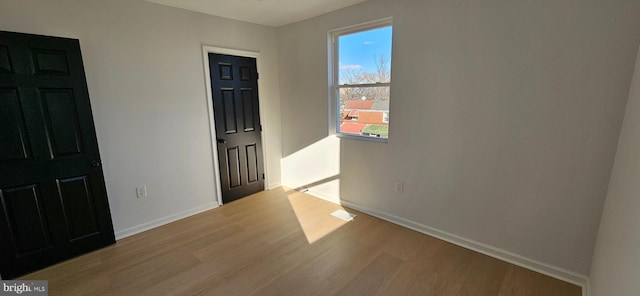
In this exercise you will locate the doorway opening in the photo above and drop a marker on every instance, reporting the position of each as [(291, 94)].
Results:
[(237, 136)]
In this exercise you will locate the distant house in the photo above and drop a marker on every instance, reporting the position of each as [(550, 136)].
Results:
[(366, 111), (372, 117), (352, 115), (352, 128), (365, 117), (380, 105), (359, 104)]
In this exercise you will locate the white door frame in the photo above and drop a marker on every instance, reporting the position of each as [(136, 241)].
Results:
[(206, 50)]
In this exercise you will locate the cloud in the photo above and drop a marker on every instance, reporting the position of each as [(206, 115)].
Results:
[(368, 42), (350, 67)]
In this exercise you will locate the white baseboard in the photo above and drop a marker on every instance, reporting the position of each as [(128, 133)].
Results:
[(522, 261), (273, 185), (322, 195), (162, 221), (586, 289), (528, 263), (319, 194)]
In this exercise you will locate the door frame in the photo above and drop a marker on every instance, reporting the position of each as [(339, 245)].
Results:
[(206, 50)]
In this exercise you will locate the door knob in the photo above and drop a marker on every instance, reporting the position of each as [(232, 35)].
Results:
[(96, 163), (221, 141)]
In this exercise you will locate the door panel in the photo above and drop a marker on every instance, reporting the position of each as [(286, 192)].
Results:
[(245, 72), (13, 139), (229, 111), (62, 121), (77, 202), (233, 166), (26, 218), (234, 83), (5, 64), (52, 191), (225, 70), (247, 105), (50, 62), (252, 163)]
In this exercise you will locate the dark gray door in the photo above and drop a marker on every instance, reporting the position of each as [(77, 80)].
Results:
[(52, 193), (234, 86)]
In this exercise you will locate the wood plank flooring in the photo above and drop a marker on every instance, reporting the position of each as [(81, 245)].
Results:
[(283, 242)]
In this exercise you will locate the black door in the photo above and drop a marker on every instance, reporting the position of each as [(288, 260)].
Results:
[(234, 86), (53, 199)]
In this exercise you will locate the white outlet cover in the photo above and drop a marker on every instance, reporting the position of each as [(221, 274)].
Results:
[(141, 191), (344, 215)]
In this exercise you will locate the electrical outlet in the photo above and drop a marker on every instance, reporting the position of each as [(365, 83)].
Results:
[(400, 187), (141, 191)]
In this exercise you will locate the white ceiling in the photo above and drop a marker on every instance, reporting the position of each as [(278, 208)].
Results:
[(273, 13)]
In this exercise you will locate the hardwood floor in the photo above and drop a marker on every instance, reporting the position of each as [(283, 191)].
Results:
[(281, 242)]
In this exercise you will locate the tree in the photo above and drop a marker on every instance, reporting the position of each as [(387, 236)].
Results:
[(358, 76)]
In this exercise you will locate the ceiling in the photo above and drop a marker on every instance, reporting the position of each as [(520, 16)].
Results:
[(272, 13)]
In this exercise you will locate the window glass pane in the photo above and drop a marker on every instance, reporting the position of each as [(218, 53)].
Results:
[(376, 94), (365, 57), (362, 79), (364, 111)]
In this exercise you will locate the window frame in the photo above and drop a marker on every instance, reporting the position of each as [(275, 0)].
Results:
[(334, 76)]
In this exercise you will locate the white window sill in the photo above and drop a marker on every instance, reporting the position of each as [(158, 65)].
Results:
[(362, 138)]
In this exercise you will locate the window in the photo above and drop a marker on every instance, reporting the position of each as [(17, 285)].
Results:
[(360, 71)]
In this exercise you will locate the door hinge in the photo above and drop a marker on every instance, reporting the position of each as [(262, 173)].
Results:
[(257, 75), (262, 176)]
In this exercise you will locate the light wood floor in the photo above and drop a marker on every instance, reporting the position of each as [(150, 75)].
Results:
[(281, 242)]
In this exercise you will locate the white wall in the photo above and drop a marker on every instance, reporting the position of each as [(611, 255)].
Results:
[(145, 74), (504, 118), (616, 259)]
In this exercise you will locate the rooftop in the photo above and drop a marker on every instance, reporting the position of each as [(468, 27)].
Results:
[(352, 128), (359, 104)]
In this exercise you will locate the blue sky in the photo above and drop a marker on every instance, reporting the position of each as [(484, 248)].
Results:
[(359, 50)]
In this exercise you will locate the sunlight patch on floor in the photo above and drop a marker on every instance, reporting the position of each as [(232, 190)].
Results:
[(314, 215)]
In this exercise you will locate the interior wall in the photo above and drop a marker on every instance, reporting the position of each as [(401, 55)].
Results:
[(504, 118), (616, 260), (145, 73)]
